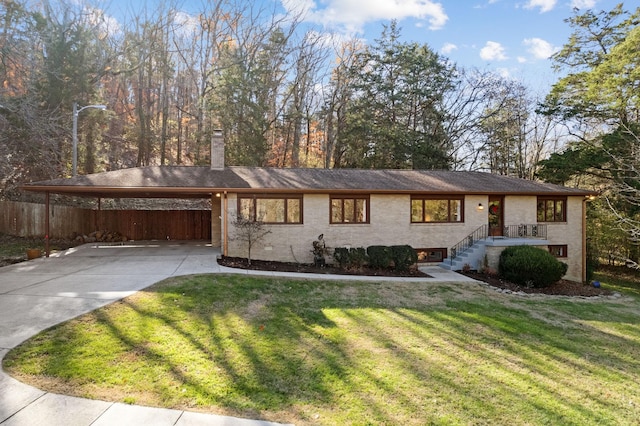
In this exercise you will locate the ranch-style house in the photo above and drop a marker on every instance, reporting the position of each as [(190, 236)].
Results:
[(453, 218)]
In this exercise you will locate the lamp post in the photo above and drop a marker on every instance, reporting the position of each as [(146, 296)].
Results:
[(76, 112)]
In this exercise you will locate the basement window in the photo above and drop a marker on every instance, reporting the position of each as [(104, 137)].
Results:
[(431, 255), (558, 250)]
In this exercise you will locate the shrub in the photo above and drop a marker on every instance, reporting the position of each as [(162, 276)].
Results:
[(346, 258), (341, 256), (357, 257), (531, 266), (379, 256), (403, 257)]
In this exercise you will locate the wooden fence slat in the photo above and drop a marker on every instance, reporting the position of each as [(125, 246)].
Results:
[(27, 220)]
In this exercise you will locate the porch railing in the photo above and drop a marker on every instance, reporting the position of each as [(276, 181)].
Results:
[(509, 231), (538, 230), (477, 235)]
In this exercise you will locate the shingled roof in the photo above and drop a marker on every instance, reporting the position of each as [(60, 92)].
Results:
[(191, 181)]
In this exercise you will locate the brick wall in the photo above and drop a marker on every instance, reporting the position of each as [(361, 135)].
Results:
[(390, 224)]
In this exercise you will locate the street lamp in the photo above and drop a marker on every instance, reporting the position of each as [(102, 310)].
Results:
[(77, 111)]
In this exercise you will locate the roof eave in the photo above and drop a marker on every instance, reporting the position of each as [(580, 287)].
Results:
[(204, 192)]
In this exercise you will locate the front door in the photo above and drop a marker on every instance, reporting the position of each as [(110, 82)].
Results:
[(496, 217)]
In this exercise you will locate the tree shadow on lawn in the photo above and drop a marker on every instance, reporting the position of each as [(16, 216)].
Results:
[(316, 352)]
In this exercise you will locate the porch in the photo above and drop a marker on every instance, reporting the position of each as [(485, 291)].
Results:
[(481, 249)]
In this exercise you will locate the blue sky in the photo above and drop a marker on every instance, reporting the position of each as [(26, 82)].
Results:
[(512, 37)]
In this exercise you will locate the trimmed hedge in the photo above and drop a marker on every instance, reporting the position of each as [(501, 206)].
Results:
[(346, 258), (530, 266), (341, 256), (357, 257), (379, 256), (400, 257), (403, 257)]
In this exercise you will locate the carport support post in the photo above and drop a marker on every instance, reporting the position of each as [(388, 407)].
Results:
[(225, 244), (46, 224), (98, 216)]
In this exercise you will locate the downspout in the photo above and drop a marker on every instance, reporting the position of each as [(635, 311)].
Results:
[(213, 219), (46, 224), (225, 214)]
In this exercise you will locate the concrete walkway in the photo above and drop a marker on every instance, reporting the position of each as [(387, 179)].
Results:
[(40, 293)]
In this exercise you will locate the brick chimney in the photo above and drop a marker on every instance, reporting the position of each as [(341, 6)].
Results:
[(217, 150)]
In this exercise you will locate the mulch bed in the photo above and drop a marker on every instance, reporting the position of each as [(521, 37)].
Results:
[(262, 265), (561, 288)]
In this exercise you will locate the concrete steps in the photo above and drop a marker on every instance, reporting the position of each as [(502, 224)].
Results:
[(473, 257)]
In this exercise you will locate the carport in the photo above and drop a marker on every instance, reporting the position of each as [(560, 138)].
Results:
[(170, 182)]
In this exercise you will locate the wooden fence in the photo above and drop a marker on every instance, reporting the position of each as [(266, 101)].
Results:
[(157, 224), (28, 220)]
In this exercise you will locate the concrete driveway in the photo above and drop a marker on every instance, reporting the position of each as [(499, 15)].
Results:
[(37, 294)]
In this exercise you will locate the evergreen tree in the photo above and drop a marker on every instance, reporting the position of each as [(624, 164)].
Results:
[(600, 93), (395, 118)]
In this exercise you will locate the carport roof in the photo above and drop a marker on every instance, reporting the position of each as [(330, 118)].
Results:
[(201, 182)]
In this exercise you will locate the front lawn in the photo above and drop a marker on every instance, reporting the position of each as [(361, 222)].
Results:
[(324, 352)]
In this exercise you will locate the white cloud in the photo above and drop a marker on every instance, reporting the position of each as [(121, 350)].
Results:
[(493, 51), (521, 59), (105, 23), (298, 6), (448, 48), (187, 24), (352, 15), (539, 48), (485, 5), (503, 72), (544, 5), (583, 4)]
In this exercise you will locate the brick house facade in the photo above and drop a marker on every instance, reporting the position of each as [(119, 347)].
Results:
[(430, 210)]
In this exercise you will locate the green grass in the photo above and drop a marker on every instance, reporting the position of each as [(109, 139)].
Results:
[(12, 247), (318, 352), (620, 279), (17, 247)]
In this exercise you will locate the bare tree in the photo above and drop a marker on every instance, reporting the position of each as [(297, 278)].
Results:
[(493, 126), (467, 107), (337, 96), (199, 42), (249, 232), (309, 59)]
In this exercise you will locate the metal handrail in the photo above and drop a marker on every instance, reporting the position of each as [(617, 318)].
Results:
[(524, 230), (479, 234)]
